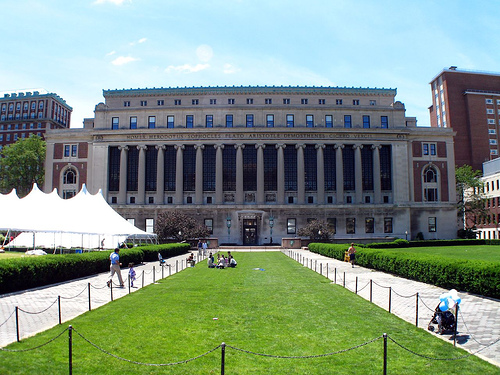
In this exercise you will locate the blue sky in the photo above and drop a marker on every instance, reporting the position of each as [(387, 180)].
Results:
[(78, 48)]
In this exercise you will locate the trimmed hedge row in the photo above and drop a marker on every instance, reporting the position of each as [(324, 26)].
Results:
[(30, 272), (478, 277)]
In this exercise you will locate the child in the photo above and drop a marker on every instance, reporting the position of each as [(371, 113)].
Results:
[(131, 274)]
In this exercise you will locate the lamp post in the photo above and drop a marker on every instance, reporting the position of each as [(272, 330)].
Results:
[(180, 236), (319, 234), (271, 225), (228, 223), (406, 235)]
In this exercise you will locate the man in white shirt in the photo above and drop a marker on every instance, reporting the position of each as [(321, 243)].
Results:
[(115, 267)]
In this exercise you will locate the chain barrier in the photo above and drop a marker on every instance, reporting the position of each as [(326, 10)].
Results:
[(98, 287), (472, 336), (39, 312), (304, 356), (34, 348), (400, 295), (368, 283), (84, 290), (421, 300), (144, 363), (382, 286), (10, 316)]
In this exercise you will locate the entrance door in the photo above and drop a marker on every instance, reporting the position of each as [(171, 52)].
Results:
[(249, 232)]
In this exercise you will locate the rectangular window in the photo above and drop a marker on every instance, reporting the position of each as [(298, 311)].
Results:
[(338, 101), (286, 101), (268, 101), (189, 121), (431, 194), (209, 121), (366, 121), (304, 101), (432, 224), (151, 122), (195, 101), (213, 101), (249, 121), (144, 103), (229, 121), (332, 224), (328, 121), (369, 225), (270, 121), (160, 102), (321, 101), (310, 121), (150, 225), (209, 223), (350, 225), (489, 101), (289, 121), (177, 102), (347, 121), (384, 122), (133, 122), (249, 101), (373, 102), (387, 224), (170, 122), (115, 123), (74, 150), (425, 149), (230, 101), (491, 121), (126, 103), (291, 226), (489, 111), (355, 102), (493, 141), (66, 150)]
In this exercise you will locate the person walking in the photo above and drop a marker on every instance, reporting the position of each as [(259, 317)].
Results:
[(115, 267), (204, 245), (352, 254)]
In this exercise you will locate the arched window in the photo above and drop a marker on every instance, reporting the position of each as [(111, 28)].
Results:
[(69, 176), (430, 184), (430, 174)]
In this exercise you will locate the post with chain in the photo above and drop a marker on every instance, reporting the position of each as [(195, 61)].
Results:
[(371, 290), (343, 281), (111, 289), (390, 298), (321, 269), (416, 310), (176, 266), (327, 271), (70, 349), (154, 274), (456, 324), (335, 275), (223, 358), (143, 278), (129, 282), (162, 272), (90, 306), (17, 323), (59, 307), (385, 353), (356, 289)]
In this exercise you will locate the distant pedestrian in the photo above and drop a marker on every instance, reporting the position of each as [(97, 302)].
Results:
[(352, 254), (204, 245), (131, 274), (115, 267), (200, 248)]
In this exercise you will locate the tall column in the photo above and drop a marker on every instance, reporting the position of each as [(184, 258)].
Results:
[(280, 199), (198, 195), (160, 174), (377, 196), (339, 173), (320, 171), (358, 174), (239, 173), (179, 175), (301, 174), (122, 194), (219, 193), (141, 175), (260, 174)]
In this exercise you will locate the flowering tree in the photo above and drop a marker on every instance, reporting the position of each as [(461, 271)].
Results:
[(316, 230), (175, 225)]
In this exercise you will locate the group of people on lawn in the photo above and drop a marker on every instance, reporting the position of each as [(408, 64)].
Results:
[(222, 261)]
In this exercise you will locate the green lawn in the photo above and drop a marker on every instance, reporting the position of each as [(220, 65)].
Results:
[(476, 252), (11, 254), (286, 310)]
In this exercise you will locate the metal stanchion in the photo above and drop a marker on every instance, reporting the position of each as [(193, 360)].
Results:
[(17, 323), (70, 349), (390, 298), (344, 280), (416, 311), (223, 358), (371, 290), (356, 290), (90, 307), (385, 354), (59, 307), (154, 274)]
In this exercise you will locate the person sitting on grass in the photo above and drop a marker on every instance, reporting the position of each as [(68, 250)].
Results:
[(190, 260), (232, 263), (211, 261), (221, 264)]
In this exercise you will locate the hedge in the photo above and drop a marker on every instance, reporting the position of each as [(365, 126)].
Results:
[(30, 272), (478, 277)]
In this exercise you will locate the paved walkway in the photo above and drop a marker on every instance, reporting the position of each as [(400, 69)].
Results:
[(478, 322)]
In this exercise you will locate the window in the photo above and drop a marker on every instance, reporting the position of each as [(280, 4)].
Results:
[(350, 225), (366, 121), (144, 103), (40, 105), (289, 121), (490, 111), (189, 121), (489, 101), (291, 226), (355, 102), (229, 121), (387, 224), (195, 101), (177, 102), (429, 148), (151, 122), (493, 152), (321, 101), (270, 121), (115, 122), (126, 103), (338, 101), (209, 223), (213, 101), (373, 102), (67, 194), (369, 225), (384, 122), (332, 224), (432, 224), (170, 121), (8, 137), (268, 101), (286, 101), (249, 121), (329, 121), (150, 225), (230, 101), (249, 101), (493, 142), (209, 121), (160, 102), (133, 122), (491, 121), (69, 177), (74, 150), (304, 101), (310, 121), (347, 121)]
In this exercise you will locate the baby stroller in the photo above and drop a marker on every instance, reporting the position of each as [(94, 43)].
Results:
[(445, 321)]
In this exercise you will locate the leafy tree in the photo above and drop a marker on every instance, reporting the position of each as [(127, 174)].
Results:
[(316, 230), (179, 227), (470, 194), (22, 165)]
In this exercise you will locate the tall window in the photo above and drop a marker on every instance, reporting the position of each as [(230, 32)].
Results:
[(170, 122), (150, 225), (328, 121), (189, 168), (332, 224), (209, 168), (330, 168), (170, 156), (229, 121), (367, 168), (347, 121), (310, 168), (432, 224), (114, 169), (350, 225), (151, 122), (310, 121), (384, 122), (387, 224), (289, 121), (270, 168), (133, 122), (151, 162), (249, 168), (348, 160), (366, 121), (290, 156), (115, 123), (270, 121), (249, 121), (229, 170), (69, 177), (385, 168), (189, 121), (209, 223), (209, 121), (369, 225), (291, 226), (132, 168), (430, 177)]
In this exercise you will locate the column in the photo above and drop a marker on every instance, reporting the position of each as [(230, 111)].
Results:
[(377, 193), (320, 171), (339, 173), (122, 194), (179, 175), (198, 195), (301, 186), (219, 193), (260, 174), (239, 173), (141, 175), (160, 174), (358, 174), (280, 199)]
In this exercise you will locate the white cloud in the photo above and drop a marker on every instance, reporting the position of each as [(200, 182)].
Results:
[(142, 40), (204, 52), (111, 53), (116, 2), (230, 69), (187, 68), (122, 60)]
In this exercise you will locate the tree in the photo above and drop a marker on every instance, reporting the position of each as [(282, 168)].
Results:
[(470, 194), (22, 165), (316, 230), (179, 227)]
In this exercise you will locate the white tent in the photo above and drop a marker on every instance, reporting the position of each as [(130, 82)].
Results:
[(46, 220)]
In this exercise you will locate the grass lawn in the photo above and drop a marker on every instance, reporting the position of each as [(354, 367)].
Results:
[(486, 253), (11, 254), (285, 310)]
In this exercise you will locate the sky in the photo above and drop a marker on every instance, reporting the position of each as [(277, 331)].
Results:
[(78, 48)]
